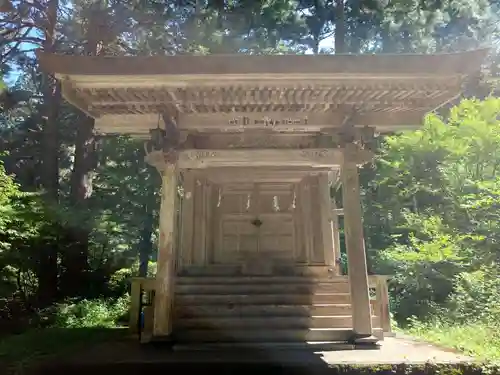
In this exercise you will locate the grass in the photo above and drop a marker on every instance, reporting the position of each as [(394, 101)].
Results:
[(478, 340), (20, 352)]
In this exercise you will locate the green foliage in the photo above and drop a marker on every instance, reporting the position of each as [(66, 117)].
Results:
[(3, 86), (476, 297), (437, 190), (103, 313), (479, 340), (119, 282), (22, 221)]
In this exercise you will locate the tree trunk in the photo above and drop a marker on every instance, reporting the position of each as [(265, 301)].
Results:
[(75, 261), (339, 27), (77, 281), (48, 270)]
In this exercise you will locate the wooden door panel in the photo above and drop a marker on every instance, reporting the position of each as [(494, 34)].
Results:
[(239, 206), (277, 245)]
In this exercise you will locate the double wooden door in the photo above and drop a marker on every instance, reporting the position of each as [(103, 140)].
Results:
[(254, 220)]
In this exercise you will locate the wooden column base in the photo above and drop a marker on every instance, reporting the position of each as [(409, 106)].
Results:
[(364, 340)]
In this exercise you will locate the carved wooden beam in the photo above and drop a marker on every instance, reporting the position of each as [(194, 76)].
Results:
[(171, 126), (69, 93), (267, 158)]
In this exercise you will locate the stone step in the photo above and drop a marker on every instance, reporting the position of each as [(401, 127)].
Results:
[(266, 280), (261, 299), (270, 322), (263, 335), (262, 288)]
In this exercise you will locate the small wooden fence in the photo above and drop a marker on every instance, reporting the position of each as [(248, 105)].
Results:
[(142, 304)]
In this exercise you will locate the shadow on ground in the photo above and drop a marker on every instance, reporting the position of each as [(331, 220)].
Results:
[(92, 351), (106, 351)]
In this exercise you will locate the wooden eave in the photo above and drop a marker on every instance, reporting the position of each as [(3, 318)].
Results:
[(390, 92), (379, 64)]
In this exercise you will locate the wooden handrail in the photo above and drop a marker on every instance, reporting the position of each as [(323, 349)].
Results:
[(382, 299), (138, 285)]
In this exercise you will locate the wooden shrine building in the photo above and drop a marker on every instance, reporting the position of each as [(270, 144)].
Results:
[(248, 148)]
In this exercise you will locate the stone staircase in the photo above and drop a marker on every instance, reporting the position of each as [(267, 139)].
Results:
[(253, 309)]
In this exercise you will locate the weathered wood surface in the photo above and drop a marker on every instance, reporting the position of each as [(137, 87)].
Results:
[(286, 65), (355, 244), (269, 158), (326, 220), (394, 91), (294, 302), (165, 273), (138, 285), (336, 236)]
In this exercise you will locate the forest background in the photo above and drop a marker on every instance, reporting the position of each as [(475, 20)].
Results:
[(79, 212)]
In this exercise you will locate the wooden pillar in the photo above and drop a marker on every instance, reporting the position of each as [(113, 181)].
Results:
[(326, 220), (300, 248), (315, 220), (355, 246), (383, 301), (187, 220), (135, 305), (308, 238), (165, 273), (200, 222), (336, 239)]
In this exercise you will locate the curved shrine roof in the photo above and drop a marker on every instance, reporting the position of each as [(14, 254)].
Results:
[(300, 93)]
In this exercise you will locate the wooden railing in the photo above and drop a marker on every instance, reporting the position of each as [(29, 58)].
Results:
[(141, 309), (378, 283), (142, 304)]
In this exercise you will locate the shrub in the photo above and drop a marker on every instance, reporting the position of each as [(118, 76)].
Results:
[(106, 313)]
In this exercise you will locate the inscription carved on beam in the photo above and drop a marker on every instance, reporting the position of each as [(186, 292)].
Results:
[(268, 158), (268, 122), (314, 154), (160, 159), (364, 138)]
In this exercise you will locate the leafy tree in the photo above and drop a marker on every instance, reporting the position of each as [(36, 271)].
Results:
[(436, 190)]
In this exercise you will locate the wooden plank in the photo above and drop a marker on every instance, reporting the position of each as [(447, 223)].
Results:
[(69, 92), (296, 121), (326, 220), (355, 244), (199, 222), (210, 202), (383, 297), (268, 158), (336, 238), (263, 299), (165, 277), (299, 253), (120, 119), (321, 65), (305, 198), (318, 251), (259, 140), (188, 219), (147, 332), (262, 120), (135, 306), (259, 175)]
